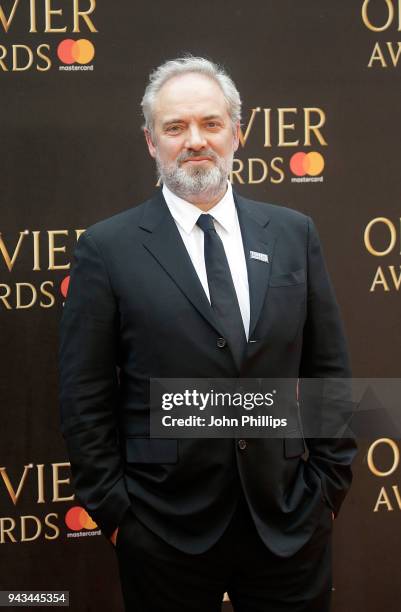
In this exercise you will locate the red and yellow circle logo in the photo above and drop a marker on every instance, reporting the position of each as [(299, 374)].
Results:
[(311, 163), (77, 518), (81, 51), (64, 286)]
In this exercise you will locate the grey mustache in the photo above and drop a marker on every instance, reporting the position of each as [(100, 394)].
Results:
[(184, 156)]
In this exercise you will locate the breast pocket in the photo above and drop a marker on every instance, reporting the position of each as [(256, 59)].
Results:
[(288, 279), (285, 305)]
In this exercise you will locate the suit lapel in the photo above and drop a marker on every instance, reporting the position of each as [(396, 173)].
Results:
[(163, 240), (257, 236)]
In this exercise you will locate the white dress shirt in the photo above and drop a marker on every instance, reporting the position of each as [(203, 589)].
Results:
[(227, 227)]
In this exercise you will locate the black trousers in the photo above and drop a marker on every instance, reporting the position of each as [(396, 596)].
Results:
[(155, 577)]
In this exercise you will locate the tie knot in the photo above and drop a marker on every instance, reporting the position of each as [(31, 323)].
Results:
[(205, 222)]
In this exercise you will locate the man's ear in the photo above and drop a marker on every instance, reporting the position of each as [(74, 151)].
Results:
[(236, 136), (150, 143)]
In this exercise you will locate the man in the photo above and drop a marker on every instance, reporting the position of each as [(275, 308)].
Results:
[(199, 282)]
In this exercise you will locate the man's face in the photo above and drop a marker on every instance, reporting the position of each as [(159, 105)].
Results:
[(193, 140)]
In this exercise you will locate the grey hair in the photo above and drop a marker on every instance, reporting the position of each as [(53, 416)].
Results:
[(184, 65)]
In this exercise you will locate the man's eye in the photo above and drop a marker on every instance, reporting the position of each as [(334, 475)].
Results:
[(172, 129), (212, 124)]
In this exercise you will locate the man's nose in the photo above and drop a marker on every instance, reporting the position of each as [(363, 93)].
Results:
[(195, 139)]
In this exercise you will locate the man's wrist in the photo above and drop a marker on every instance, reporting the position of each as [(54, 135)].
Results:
[(113, 537)]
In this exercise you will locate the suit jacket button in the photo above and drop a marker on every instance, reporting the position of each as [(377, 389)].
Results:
[(242, 444), (221, 342)]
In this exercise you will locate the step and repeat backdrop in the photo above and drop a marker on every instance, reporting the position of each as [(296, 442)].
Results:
[(321, 133)]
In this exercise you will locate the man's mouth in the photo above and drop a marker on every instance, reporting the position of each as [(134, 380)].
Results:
[(197, 160)]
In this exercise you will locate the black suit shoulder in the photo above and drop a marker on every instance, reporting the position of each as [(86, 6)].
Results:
[(125, 223), (277, 212), (283, 218), (118, 224)]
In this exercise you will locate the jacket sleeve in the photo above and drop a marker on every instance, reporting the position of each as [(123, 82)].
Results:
[(325, 356), (89, 388)]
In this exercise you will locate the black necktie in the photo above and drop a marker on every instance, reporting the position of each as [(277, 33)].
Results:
[(223, 297)]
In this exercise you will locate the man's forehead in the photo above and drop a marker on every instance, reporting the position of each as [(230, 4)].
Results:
[(186, 82), (190, 91)]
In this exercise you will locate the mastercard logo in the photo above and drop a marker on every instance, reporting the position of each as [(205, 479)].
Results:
[(311, 164), (77, 518), (64, 286), (81, 51)]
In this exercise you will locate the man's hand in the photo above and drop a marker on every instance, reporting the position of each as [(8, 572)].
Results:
[(113, 537)]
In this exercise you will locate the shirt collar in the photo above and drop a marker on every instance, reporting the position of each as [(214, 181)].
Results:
[(186, 214)]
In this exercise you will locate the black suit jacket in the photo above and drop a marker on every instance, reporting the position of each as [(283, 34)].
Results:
[(136, 310)]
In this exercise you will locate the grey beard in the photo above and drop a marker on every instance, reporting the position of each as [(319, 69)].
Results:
[(209, 182)]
